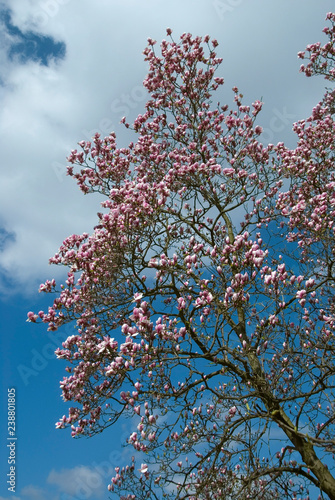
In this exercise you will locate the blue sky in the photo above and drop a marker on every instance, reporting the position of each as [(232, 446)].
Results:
[(67, 70)]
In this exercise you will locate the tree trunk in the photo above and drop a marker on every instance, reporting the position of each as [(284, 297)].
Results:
[(307, 452)]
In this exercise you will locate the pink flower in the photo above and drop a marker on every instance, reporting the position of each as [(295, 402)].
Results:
[(232, 411), (32, 317), (181, 303)]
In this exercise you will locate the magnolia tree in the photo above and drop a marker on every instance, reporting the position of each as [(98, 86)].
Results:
[(203, 302)]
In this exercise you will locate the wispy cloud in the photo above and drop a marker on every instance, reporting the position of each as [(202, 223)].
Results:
[(82, 481), (11, 498), (31, 492)]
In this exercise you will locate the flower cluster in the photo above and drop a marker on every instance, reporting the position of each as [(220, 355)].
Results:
[(321, 57)]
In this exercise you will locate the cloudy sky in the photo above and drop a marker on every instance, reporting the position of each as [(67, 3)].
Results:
[(69, 68)]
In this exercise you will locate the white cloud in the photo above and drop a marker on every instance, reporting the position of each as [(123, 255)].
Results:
[(82, 481), (45, 111), (31, 492)]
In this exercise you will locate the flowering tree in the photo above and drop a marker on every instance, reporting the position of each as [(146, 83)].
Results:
[(203, 301)]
